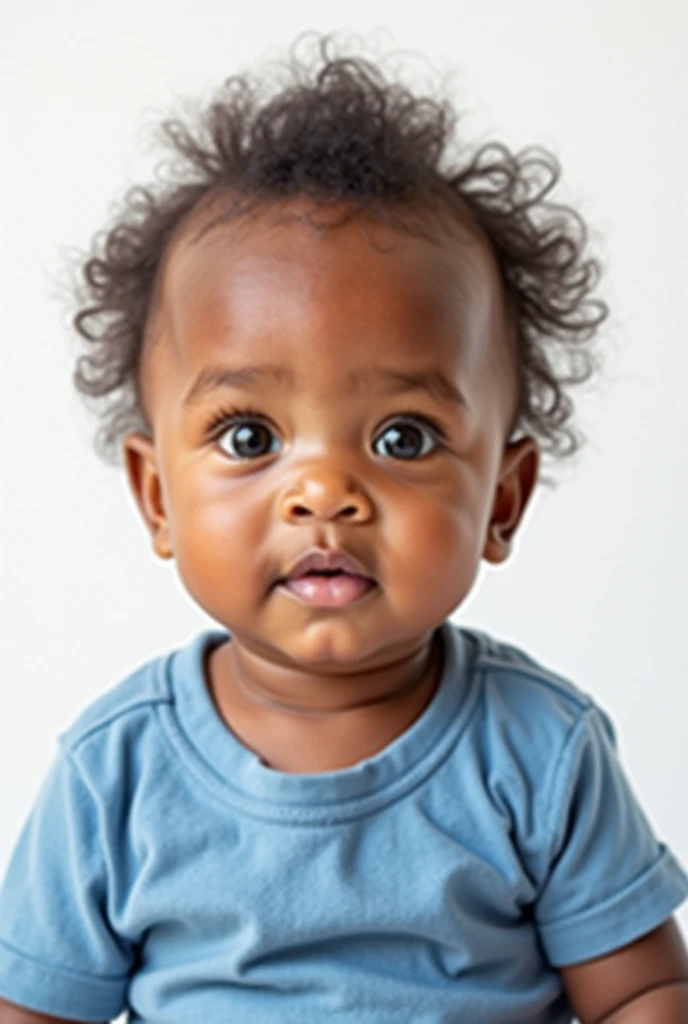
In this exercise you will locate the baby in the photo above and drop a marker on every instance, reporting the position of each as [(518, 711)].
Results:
[(332, 358)]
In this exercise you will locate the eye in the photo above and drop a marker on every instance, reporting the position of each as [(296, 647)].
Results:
[(242, 435), (408, 438), (248, 440)]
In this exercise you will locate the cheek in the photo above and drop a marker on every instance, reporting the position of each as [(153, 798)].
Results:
[(213, 529), (433, 547)]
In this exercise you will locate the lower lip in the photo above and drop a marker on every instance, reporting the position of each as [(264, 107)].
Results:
[(328, 591)]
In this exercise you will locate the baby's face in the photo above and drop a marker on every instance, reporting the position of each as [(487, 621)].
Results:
[(348, 389)]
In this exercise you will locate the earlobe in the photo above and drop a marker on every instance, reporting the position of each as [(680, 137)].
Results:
[(517, 479), (144, 480), (497, 547)]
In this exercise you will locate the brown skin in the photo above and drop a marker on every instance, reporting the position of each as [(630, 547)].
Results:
[(312, 689), (10, 1013), (645, 982)]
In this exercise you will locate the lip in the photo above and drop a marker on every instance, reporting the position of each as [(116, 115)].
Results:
[(321, 559), (338, 591)]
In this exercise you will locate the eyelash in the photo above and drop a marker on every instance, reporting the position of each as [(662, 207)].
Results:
[(227, 417)]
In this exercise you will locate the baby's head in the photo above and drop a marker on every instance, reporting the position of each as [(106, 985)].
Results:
[(325, 334)]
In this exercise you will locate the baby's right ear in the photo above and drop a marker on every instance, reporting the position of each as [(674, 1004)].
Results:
[(144, 479)]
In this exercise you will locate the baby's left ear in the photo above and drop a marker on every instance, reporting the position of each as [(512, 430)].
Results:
[(517, 478)]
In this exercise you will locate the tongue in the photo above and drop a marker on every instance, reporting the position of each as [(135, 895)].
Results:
[(338, 589)]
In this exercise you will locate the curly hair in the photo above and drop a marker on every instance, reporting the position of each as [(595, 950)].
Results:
[(339, 131)]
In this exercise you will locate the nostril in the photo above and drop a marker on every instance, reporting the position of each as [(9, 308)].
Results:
[(306, 511)]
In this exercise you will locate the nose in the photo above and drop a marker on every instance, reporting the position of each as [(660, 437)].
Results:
[(325, 494)]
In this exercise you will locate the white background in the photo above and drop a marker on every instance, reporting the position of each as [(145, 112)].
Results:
[(597, 588)]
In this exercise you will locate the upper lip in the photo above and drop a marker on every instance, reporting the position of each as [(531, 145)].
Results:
[(319, 559)]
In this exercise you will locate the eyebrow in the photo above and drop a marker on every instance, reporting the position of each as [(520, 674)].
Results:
[(431, 380)]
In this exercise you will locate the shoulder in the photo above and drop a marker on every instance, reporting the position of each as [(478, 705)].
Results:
[(135, 695), (522, 697), (128, 714), (530, 728), (121, 742)]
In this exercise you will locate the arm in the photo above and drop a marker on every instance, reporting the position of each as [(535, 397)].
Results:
[(10, 1013), (59, 954), (645, 982)]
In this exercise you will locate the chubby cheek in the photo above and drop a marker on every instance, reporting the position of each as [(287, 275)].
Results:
[(219, 542), (430, 556)]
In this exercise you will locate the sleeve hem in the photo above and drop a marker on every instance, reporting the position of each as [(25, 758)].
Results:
[(47, 989), (639, 908)]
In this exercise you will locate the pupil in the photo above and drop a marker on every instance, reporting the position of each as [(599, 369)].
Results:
[(248, 440), (400, 436)]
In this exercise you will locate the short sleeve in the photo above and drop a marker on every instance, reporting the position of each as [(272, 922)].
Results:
[(58, 954), (610, 881)]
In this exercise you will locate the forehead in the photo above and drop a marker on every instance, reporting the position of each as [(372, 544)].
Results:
[(316, 298)]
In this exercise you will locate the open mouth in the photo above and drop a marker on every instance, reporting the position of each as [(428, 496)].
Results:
[(326, 572)]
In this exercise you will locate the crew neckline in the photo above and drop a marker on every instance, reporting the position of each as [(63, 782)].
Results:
[(238, 776)]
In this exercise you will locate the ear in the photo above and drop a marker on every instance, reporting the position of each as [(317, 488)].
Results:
[(517, 479), (144, 479)]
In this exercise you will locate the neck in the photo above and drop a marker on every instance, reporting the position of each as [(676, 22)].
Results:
[(317, 695), (296, 721)]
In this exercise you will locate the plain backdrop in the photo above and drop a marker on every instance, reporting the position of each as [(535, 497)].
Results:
[(597, 585)]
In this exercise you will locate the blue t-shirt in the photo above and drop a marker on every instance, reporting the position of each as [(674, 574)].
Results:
[(167, 871)]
